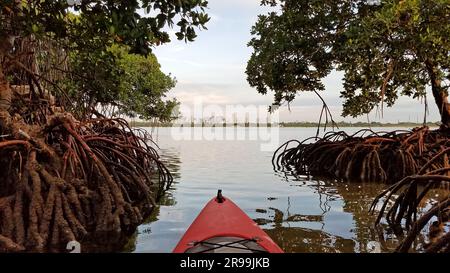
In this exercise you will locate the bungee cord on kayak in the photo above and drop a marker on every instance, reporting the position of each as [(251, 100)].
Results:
[(222, 225), (229, 246)]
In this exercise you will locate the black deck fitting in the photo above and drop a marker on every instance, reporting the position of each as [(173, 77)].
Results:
[(220, 198)]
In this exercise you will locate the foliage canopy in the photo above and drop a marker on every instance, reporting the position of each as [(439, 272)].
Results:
[(385, 48), (120, 83), (104, 41)]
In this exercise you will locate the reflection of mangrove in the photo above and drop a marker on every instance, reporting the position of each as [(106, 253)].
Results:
[(295, 239), (90, 181), (301, 240), (378, 157), (404, 198), (357, 198), (279, 219), (172, 161)]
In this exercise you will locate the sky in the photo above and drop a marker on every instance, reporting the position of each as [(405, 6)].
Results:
[(211, 70)]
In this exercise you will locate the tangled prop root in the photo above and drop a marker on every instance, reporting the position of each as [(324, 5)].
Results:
[(364, 156), (93, 182), (404, 198)]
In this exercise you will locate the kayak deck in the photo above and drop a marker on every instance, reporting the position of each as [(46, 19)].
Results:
[(222, 227), (226, 245)]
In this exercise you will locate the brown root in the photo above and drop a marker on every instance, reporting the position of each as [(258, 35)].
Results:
[(365, 156), (92, 181), (416, 162), (402, 201)]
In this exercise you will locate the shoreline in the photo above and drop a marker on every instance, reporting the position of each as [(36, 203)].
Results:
[(289, 125)]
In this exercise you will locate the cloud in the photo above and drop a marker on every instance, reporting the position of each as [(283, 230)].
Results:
[(178, 48), (215, 18), (242, 4), (191, 97), (306, 107), (181, 61), (213, 93)]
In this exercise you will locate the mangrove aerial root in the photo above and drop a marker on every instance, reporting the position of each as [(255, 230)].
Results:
[(365, 156), (402, 200), (92, 181), (417, 159)]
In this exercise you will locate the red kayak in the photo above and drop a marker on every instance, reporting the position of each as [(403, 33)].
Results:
[(222, 227)]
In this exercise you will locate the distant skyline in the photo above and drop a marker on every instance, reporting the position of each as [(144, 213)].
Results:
[(212, 69)]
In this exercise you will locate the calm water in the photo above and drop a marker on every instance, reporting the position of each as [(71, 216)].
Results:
[(300, 214)]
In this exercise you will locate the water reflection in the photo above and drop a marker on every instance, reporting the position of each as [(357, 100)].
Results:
[(302, 214), (149, 230), (297, 231), (304, 240)]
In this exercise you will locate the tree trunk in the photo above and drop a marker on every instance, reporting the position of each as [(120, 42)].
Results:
[(6, 45), (5, 89), (440, 95)]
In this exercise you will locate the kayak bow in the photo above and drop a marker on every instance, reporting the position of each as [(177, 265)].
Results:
[(223, 227)]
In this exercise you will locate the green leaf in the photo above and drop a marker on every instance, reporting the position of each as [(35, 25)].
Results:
[(35, 28), (180, 35)]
